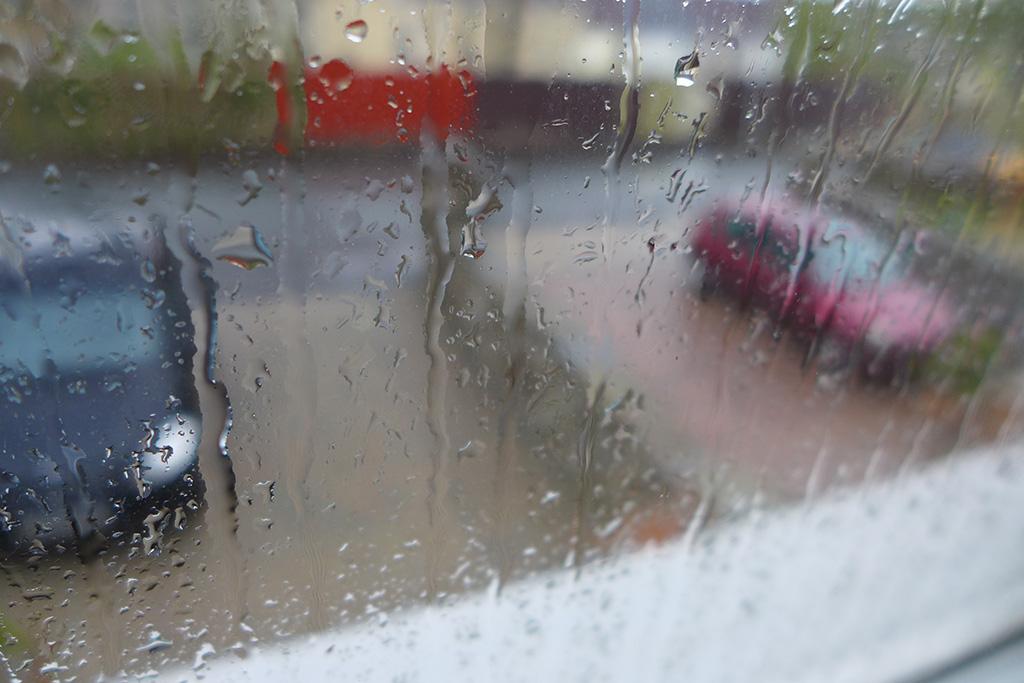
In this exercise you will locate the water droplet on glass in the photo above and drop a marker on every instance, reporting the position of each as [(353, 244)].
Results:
[(471, 449), (51, 175), (251, 187), (922, 243), (485, 204), (155, 643), (590, 142), (730, 39), (473, 244), (403, 263), (686, 69), (335, 76), (374, 189), (356, 31), (773, 41), (714, 88), (148, 271), (12, 66), (244, 248), (839, 5)]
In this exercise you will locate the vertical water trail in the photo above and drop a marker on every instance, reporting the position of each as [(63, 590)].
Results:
[(200, 289), (514, 317), (627, 124), (916, 87), (300, 376), (850, 79), (585, 455), (981, 198), (610, 169), (949, 90), (433, 221), (214, 461), (435, 207), (105, 603)]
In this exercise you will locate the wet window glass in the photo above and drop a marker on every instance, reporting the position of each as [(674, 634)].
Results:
[(511, 339)]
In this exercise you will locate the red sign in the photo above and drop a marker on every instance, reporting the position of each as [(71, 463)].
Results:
[(344, 106)]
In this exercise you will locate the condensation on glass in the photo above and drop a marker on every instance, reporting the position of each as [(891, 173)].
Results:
[(313, 312)]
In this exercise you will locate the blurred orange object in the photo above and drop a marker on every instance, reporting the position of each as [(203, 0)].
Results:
[(346, 107)]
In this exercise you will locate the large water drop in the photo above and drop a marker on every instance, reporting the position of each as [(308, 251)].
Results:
[(243, 247), (686, 69), (356, 31)]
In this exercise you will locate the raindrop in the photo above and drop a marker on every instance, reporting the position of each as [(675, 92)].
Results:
[(485, 204), (473, 244), (773, 41), (730, 39), (356, 31), (922, 243), (403, 263), (251, 187), (714, 88), (148, 271), (839, 5), (374, 189), (155, 643), (244, 248), (686, 69), (12, 66), (826, 45), (471, 449), (52, 175), (590, 142)]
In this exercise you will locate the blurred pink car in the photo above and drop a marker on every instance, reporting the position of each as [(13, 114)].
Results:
[(829, 277)]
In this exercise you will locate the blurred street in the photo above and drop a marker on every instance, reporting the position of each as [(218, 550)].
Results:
[(631, 411), (324, 315)]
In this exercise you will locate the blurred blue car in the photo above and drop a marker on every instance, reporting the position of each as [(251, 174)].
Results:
[(100, 421)]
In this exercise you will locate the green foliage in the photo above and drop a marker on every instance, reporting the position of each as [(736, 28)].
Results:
[(122, 100), (963, 362), (15, 646)]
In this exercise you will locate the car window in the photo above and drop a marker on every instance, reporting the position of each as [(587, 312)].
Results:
[(100, 331), (848, 252), (776, 244)]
